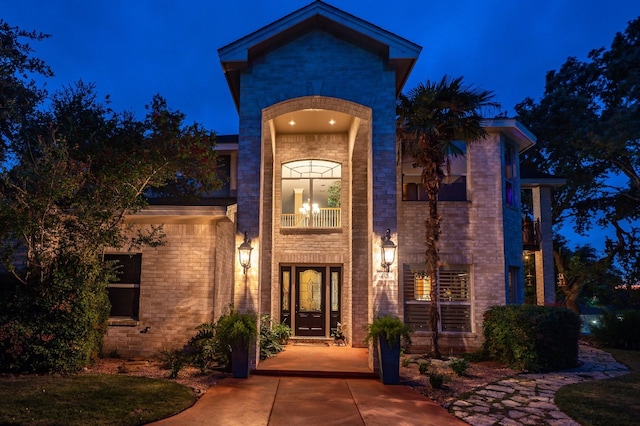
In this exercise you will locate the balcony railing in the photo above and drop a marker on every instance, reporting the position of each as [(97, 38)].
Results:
[(531, 234), (330, 217)]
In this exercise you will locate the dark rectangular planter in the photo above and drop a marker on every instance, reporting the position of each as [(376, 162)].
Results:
[(240, 359), (389, 358)]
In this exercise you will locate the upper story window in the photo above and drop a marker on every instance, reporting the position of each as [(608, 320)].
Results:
[(454, 185), (311, 194), (510, 174)]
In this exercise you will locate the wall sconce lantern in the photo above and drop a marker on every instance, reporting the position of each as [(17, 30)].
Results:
[(388, 251), (244, 253)]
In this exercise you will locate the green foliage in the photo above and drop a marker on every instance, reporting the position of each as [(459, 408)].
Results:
[(173, 360), (19, 95), (204, 349), (423, 367), (54, 326), (78, 168), (587, 129), (436, 380), (389, 327), (460, 366), (96, 399), (234, 327), (532, 338), (282, 332), (618, 330), (270, 340), (431, 117), (334, 194), (605, 402)]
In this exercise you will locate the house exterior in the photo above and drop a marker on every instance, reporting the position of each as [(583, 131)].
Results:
[(314, 183)]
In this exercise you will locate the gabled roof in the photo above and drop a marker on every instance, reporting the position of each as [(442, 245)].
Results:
[(399, 53)]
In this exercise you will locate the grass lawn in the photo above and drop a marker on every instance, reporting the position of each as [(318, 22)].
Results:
[(100, 399), (605, 402)]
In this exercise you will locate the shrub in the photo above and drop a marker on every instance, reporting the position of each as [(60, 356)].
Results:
[(270, 339), (436, 380), (532, 338), (618, 330), (54, 326), (460, 366), (173, 360), (233, 327), (204, 349), (282, 332), (423, 367)]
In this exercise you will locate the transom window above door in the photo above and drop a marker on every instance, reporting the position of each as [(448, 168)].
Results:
[(311, 194)]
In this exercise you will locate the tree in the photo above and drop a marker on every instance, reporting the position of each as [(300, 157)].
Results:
[(583, 274), (431, 117), (80, 168), (588, 128), (19, 94)]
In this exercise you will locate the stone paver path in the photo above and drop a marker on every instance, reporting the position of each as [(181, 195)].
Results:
[(528, 399)]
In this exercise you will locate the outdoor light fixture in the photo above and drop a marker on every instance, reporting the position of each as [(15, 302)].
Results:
[(244, 253), (388, 251)]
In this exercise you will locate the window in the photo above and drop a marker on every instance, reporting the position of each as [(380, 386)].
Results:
[(124, 290), (454, 292), (510, 175), (512, 285), (454, 185), (311, 194)]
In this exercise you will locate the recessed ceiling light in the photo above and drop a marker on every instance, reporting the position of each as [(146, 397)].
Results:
[(332, 121), (292, 123)]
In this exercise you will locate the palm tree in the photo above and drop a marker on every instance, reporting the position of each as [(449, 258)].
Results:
[(431, 117)]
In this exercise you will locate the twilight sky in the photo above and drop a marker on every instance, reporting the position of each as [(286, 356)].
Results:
[(133, 49)]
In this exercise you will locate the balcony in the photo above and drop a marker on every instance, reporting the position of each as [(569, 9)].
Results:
[(530, 234), (330, 217)]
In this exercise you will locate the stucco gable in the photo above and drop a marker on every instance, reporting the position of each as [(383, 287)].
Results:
[(399, 53)]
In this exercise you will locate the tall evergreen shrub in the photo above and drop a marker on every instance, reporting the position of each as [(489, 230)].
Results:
[(532, 338)]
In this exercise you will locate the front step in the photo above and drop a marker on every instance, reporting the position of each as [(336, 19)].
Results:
[(311, 340), (316, 374)]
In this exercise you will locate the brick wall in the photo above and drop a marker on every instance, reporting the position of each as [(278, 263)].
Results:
[(318, 71), (177, 290), (472, 233)]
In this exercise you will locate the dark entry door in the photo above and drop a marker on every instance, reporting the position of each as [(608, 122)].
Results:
[(310, 301)]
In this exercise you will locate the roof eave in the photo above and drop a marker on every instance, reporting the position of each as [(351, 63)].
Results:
[(513, 129)]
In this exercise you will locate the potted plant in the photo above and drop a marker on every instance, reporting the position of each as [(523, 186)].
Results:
[(237, 331), (282, 332), (387, 332)]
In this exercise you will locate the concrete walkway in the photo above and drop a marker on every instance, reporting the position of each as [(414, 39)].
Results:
[(277, 395), (528, 399), (267, 400)]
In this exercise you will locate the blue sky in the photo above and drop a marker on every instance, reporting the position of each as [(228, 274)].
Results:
[(133, 49)]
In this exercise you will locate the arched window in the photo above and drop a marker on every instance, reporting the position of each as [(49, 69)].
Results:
[(311, 194)]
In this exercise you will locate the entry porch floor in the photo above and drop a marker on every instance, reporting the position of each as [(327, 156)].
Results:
[(319, 359)]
